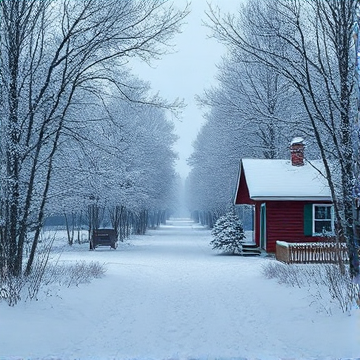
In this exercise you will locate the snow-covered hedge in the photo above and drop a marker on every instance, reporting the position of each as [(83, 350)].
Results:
[(325, 282)]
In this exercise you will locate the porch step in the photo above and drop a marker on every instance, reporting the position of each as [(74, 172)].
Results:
[(250, 249)]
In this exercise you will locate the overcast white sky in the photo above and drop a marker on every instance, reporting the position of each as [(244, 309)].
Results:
[(188, 72)]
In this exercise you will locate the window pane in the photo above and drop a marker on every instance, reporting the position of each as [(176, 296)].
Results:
[(323, 212), (328, 212), (321, 226), (319, 212)]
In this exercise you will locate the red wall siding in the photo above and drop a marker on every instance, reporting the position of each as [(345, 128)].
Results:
[(284, 221), (242, 195)]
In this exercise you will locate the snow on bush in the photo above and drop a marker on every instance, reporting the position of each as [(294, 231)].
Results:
[(80, 272), (13, 289), (46, 271), (228, 233), (325, 282)]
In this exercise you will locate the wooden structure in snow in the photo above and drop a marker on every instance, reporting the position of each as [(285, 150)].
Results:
[(311, 253), (291, 198), (103, 237)]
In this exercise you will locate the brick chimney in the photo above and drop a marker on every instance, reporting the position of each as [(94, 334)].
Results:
[(297, 147)]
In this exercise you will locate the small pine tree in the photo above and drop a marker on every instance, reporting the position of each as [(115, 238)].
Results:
[(228, 233)]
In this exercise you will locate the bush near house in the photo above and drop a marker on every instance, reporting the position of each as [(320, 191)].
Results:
[(228, 233)]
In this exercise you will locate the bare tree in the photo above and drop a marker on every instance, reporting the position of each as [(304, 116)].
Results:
[(257, 103)]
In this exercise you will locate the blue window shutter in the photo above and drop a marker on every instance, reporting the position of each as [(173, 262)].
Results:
[(308, 219)]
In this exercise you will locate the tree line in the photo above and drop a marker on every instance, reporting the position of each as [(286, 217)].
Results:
[(79, 134), (289, 71)]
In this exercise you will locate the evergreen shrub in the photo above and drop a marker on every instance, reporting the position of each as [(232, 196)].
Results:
[(228, 233)]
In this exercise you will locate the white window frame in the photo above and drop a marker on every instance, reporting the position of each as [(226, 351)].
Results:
[(332, 219)]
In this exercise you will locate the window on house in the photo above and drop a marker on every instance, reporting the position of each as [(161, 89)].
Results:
[(318, 219), (323, 219)]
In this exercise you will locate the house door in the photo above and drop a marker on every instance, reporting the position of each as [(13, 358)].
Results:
[(263, 226)]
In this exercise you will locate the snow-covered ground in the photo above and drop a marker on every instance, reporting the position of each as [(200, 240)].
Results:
[(167, 295)]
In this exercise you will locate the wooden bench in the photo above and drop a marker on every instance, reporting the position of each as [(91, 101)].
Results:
[(103, 237)]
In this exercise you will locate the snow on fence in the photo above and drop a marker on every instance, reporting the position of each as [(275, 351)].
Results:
[(311, 253)]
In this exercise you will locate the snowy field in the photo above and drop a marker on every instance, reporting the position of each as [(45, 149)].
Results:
[(167, 295)]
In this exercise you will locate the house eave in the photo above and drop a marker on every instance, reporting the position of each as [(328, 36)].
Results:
[(291, 198)]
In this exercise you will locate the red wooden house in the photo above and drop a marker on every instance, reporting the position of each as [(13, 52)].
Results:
[(291, 198)]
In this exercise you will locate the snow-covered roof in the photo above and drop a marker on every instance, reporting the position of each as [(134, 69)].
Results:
[(278, 179)]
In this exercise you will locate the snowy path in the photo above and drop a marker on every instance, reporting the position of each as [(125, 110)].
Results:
[(167, 295)]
